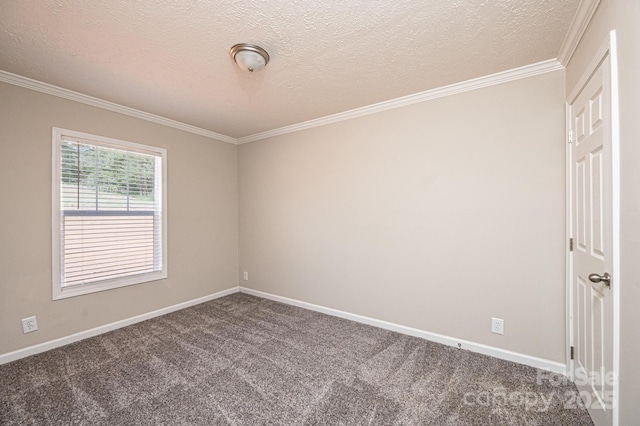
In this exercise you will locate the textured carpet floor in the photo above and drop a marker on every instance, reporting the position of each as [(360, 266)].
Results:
[(242, 360)]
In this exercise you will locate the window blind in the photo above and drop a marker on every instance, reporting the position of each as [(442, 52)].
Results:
[(111, 218)]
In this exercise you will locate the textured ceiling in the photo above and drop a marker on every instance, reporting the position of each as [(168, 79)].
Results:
[(170, 58)]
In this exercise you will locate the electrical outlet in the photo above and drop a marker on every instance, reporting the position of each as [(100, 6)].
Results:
[(29, 324), (245, 276), (497, 325)]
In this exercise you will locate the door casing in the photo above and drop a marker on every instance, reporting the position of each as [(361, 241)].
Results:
[(607, 48)]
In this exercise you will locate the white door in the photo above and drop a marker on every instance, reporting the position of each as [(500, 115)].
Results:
[(592, 232)]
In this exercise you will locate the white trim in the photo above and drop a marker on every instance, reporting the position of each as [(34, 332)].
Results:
[(52, 344), (452, 89), (433, 337), (60, 292), (56, 258), (615, 200), (568, 235), (591, 67), (50, 89), (584, 13), (608, 47)]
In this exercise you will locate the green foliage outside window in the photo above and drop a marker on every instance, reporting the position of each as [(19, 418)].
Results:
[(121, 180)]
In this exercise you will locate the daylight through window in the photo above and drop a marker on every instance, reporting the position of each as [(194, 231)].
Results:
[(110, 213)]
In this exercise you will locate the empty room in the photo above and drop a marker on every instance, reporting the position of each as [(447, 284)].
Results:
[(319, 213)]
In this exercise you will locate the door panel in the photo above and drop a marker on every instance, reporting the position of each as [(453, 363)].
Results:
[(597, 246), (581, 322), (581, 205), (592, 228)]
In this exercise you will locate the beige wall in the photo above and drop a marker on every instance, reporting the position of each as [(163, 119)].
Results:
[(202, 215), (622, 15), (437, 216)]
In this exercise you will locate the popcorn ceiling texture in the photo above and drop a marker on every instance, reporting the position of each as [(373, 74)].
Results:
[(171, 58)]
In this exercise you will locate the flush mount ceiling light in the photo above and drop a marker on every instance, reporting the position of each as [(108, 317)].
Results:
[(249, 57)]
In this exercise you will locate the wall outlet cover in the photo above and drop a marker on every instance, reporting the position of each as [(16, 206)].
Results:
[(29, 324), (497, 325)]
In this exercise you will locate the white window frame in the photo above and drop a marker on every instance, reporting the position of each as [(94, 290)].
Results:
[(60, 292)]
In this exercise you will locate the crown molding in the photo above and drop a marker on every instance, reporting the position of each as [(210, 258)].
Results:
[(586, 9), (465, 86), (50, 89), (452, 89)]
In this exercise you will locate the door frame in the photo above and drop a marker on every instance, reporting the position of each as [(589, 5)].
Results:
[(608, 48)]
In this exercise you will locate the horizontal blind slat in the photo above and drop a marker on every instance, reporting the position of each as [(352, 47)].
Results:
[(99, 277), (117, 258), (110, 218), (81, 264), (109, 269)]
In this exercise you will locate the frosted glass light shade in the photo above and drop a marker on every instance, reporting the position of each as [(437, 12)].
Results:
[(249, 57)]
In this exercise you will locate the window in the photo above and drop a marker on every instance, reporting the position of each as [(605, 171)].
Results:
[(109, 213)]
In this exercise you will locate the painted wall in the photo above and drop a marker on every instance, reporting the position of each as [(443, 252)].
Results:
[(436, 216), (622, 15), (202, 218)]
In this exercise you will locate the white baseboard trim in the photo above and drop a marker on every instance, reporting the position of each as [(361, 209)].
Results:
[(434, 337), (52, 344), (480, 348)]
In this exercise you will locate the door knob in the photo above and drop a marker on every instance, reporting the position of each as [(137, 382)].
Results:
[(604, 278)]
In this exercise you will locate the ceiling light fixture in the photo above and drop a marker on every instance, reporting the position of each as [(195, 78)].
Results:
[(249, 57)]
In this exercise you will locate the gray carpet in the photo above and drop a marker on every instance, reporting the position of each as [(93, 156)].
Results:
[(242, 360)]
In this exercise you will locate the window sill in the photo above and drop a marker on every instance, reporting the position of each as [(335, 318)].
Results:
[(77, 290)]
